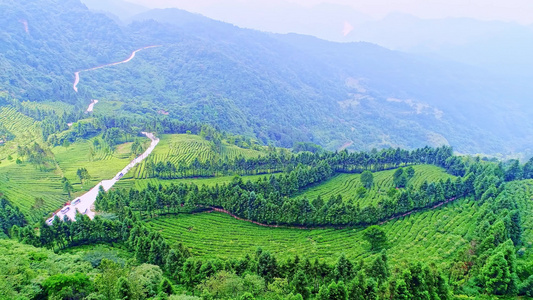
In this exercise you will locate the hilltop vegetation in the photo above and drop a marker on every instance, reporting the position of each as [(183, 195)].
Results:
[(279, 89)]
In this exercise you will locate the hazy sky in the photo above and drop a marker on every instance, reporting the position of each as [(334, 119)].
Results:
[(506, 10)]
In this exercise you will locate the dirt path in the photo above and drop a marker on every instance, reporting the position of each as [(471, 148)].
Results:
[(339, 227), (91, 106), (77, 74)]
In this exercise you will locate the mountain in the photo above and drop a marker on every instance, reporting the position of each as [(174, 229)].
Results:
[(501, 47), (279, 89), (121, 9)]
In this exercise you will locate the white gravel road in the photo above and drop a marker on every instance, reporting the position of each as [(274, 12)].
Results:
[(85, 205)]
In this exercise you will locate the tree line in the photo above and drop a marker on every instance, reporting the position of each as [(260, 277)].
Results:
[(259, 275), (269, 199)]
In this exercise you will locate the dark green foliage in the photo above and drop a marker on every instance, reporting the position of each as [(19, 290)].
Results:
[(344, 269), (376, 237), (367, 179), (496, 275), (526, 288), (67, 286), (267, 200), (267, 266), (9, 216), (379, 268), (334, 291), (300, 284), (166, 287), (124, 289), (499, 272)]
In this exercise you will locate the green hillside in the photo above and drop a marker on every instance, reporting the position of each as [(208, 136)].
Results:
[(279, 89), (101, 162), (24, 129), (346, 185), (184, 149), (25, 178), (435, 236)]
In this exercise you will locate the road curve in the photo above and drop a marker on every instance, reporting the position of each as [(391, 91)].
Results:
[(91, 106), (77, 74), (87, 200)]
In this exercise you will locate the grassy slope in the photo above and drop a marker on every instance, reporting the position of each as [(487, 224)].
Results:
[(347, 184), (24, 128), (23, 183)]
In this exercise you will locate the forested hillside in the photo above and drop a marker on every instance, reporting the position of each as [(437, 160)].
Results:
[(279, 89)]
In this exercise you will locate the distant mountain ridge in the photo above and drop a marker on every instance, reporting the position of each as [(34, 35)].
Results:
[(279, 89)]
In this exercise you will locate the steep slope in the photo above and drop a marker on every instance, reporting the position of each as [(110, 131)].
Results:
[(45, 42)]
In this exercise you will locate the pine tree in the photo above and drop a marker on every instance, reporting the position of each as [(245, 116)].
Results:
[(166, 287), (123, 289), (299, 284), (379, 269), (344, 269)]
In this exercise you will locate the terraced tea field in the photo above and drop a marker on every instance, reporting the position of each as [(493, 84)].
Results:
[(23, 183), (103, 165), (347, 184), (23, 127), (183, 149), (58, 107), (432, 236)]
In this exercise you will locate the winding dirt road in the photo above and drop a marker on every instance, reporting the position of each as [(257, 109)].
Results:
[(77, 74)]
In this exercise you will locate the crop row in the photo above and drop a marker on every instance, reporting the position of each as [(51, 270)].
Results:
[(433, 236), (346, 185)]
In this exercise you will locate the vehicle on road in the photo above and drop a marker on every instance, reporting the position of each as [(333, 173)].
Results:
[(50, 221), (77, 201), (119, 176), (65, 210)]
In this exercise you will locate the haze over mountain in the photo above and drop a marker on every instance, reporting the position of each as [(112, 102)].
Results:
[(496, 36), (279, 89)]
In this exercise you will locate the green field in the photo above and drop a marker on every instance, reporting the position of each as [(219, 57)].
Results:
[(23, 183), (347, 184), (104, 164), (58, 107), (431, 236), (183, 149), (24, 128)]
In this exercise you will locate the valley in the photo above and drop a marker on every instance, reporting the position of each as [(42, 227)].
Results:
[(227, 163)]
